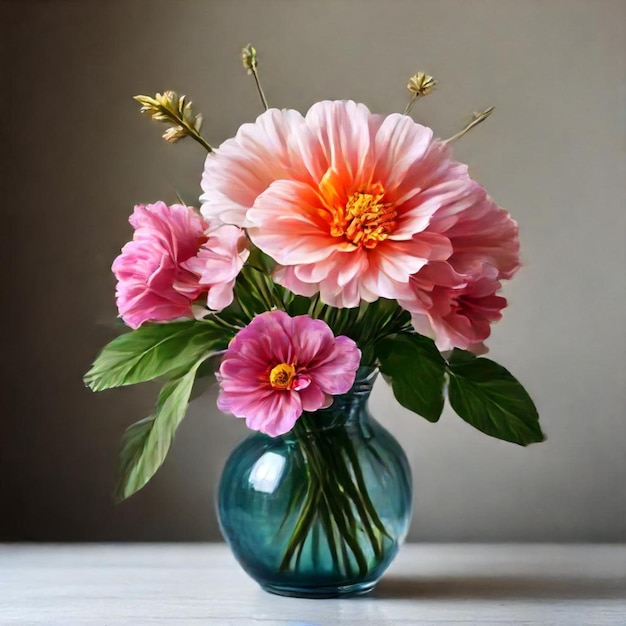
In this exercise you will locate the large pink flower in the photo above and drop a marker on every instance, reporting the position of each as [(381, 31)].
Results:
[(171, 261), (341, 199), (279, 366)]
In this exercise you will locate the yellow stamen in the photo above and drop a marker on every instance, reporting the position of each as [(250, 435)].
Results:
[(365, 221), (282, 376)]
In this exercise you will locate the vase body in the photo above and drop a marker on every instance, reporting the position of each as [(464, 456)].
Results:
[(322, 510)]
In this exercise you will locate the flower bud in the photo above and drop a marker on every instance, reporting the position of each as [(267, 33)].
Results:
[(421, 84), (248, 57), (173, 109)]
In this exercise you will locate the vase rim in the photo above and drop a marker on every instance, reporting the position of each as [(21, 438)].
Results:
[(366, 374)]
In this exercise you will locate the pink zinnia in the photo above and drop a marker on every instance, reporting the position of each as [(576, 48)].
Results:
[(279, 366), (171, 261)]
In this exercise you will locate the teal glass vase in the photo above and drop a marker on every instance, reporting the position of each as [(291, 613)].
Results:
[(320, 511)]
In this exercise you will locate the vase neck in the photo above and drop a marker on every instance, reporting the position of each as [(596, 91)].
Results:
[(349, 408)]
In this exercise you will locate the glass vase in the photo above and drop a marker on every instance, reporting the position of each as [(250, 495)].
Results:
[(322, 510)]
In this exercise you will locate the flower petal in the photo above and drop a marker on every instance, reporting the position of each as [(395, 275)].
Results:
[(290, 223)]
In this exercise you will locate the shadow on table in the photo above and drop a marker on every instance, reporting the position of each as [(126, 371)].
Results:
[(497, 588)]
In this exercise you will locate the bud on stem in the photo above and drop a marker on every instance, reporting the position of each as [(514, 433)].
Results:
[(419, 85), (250, 63), (168, 107)]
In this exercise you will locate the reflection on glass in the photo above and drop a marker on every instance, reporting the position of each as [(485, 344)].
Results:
[(266, 472)]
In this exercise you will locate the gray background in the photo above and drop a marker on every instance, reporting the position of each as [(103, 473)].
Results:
[(78, 156)]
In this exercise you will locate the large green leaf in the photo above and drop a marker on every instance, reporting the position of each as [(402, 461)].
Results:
[(489, 398), (145, 444), (154, 350), (417, 372)]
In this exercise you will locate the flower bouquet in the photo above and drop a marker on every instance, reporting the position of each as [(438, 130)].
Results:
[(327, 247)]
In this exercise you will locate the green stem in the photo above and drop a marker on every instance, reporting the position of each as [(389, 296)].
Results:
[(348, 534), (362, 488), (303, 525), (361, 507), (336, 500), (346, 558), (224, 324), (293, 501), (331, 540), (357, 493), (410, 104), (337, 505), (259, 88), (201, 140), (315, 544), (476, 119)]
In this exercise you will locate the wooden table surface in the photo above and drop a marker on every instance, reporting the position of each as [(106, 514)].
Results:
[(155, 584)]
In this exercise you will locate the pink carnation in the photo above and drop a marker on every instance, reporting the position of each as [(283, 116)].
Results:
[(455, 301), (171, 261), (279, 366), (456, 311)]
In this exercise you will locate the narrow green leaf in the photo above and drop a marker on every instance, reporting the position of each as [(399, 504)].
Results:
[(145, 444), (381, 318), (489, 398), (252, 292), (154, 350), (261, 260), (298, 305), (417, 372)]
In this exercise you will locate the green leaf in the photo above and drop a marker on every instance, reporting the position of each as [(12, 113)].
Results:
[(154, 350), (489, 398), (298, 305), (205, 378), (253, 292), (459, 356), (261, 260), (417, 372), (145, 444)]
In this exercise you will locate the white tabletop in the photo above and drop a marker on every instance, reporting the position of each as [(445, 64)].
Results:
[(154, 584)]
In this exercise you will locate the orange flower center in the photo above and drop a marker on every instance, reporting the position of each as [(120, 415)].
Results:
[(282, 376), (365, 221)]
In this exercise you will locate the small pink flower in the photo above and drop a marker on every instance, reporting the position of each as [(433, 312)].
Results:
[(171, 261), (150, 265), (279, 366), (455, 301), (456, 311)]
